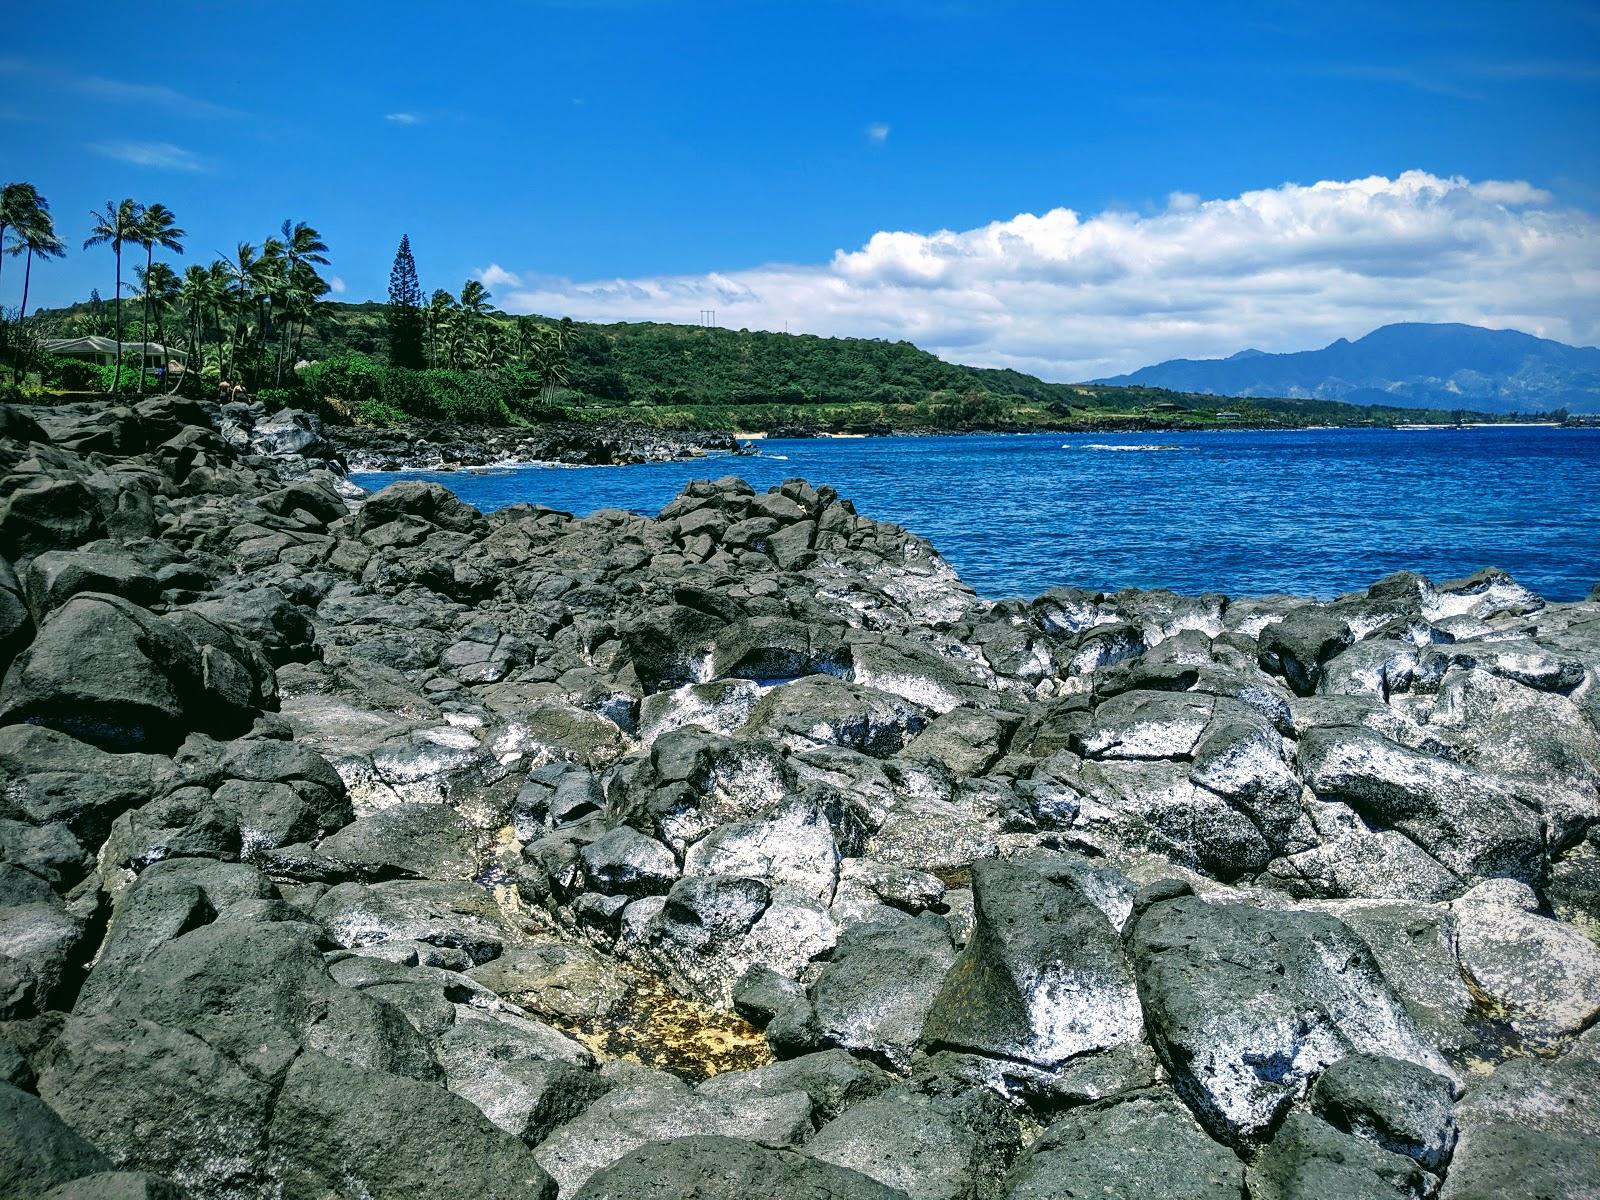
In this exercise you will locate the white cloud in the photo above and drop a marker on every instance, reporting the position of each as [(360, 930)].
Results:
[(495, 276), (878, 133), (163, 156), (403, 118), (336, 286), (1074, 297), (146, 95)]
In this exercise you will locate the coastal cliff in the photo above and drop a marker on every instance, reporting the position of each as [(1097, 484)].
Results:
[(372, 845)]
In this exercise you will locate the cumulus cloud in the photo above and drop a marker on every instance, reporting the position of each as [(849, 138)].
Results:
[(163, 156), (878, 132), (336, 285), (495, 276), (1070, 296)]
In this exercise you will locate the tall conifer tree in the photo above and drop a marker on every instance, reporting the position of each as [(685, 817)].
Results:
[(406, 325)]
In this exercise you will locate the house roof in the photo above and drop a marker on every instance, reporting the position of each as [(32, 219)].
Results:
[(93, 344)]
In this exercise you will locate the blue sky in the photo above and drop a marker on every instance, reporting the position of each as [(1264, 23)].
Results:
[(647, 158)]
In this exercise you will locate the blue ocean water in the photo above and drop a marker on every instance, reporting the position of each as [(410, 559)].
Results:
[(1313, 512)]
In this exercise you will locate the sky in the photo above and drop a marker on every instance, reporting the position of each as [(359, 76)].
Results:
[(1067, 189)]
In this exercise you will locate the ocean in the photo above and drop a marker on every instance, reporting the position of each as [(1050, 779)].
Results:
[(1245, 512)]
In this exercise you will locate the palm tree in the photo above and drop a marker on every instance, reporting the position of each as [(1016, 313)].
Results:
[(243, 273), (18, 202), (159, 287), (36, 232), (303, 251), (544, 349), (195, 297), (113, 227), (156, 226), (474, 299), (440, 307)]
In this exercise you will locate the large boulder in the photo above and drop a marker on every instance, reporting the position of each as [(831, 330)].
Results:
[(1135, 1145), (43, 513), (1402, 1107), (711, 1167), (1530, 1129), (1043, 978), (931, 1147), (37, 1149), (109, 672), (1247, 1006), (1309, 1159), (162, 1100), (430, 841), (873, 996), (340, 1130), (660, 1107), (429, 502), (1543, 975), (1473, 826)]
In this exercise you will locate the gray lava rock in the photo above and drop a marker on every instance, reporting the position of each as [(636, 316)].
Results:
[(1529, 1129), (1043, 977), (630, 1116), (161, 1100), (931, 1147), (1402, 1107), (338, 1130), (625, 862), (429, 841), (724, 1168), (117, 1185), (37, 1149), (1297, 646), (1246, 1006), (1137, 1145), (874, 994), (457, 916), (57, 575), (111, 673), (1309, 1159)]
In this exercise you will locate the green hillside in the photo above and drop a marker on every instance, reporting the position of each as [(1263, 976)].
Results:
[(712, 378)]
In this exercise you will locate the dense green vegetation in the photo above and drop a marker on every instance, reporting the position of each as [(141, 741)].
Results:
[(695, 377), (260, 323)]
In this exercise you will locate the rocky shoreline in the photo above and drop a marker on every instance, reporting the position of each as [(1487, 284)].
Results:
[(373, 846), (445, 447)]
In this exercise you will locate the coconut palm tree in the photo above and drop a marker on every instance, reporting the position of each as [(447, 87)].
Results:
[(441, 305), (244, 274), (474, 299), (159, 289), (18, 202), (111, 228), (195, 298), (156, 226), (305, 290), (35, 235), (303, 251)]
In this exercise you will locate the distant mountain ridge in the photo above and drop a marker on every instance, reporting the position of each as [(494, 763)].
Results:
[(1412, 364)]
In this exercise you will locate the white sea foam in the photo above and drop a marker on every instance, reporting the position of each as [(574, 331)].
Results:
[(1104, 446)]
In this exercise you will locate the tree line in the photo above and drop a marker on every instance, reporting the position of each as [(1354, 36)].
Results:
[(465, 332), (241, 317)]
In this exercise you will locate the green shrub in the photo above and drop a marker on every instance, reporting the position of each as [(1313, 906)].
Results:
[(357, 381), (280, 398), (129, 382), (376, 412), (70, 374), (469, 399), (352, 379)]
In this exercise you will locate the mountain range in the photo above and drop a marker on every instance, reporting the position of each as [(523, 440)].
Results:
[(1409, 364)]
